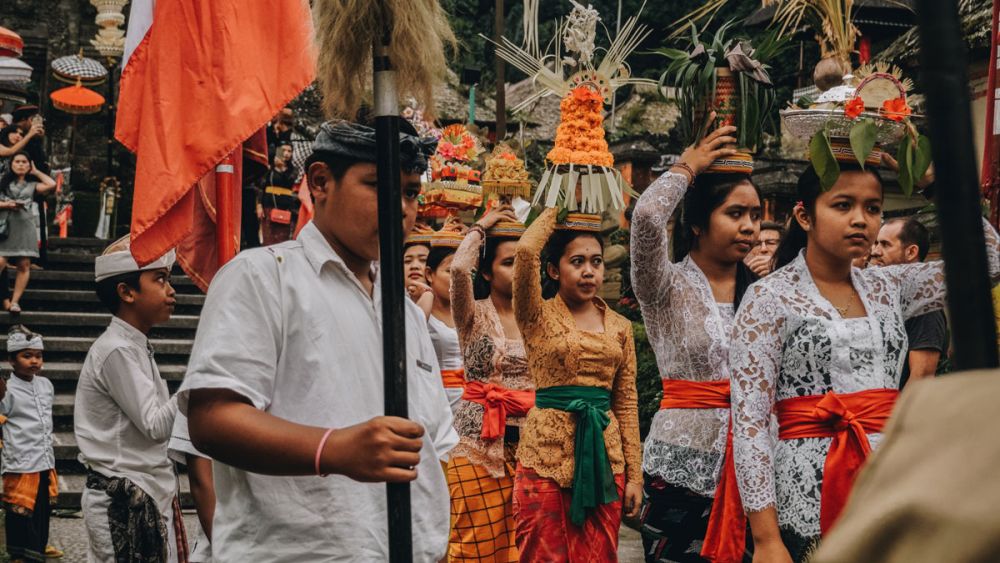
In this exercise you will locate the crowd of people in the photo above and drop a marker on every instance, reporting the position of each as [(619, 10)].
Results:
[(24, 185), (522, 442)]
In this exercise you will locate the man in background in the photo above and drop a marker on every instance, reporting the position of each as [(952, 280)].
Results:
[(906, 241), (760, 259)]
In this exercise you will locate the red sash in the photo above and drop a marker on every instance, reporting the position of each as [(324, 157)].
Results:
[(498, 403), (725, 539), (453, 378), (845, 418)]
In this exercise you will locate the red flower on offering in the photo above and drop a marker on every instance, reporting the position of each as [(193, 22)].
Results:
[(895, 109), (854, 108)]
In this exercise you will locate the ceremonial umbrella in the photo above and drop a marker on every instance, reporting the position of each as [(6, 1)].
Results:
[(11, 44), (77, 100), (77, 68), (13, 93), (13, 70)]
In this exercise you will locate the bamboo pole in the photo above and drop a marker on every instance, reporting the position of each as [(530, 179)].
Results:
[(501, 78), (945, 83)]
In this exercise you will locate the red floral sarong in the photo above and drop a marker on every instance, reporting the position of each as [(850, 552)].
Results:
[(544, 530)]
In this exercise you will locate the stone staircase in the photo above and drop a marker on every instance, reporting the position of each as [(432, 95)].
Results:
[(60, 303)]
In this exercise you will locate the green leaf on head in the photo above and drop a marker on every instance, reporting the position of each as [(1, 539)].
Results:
[(921, 157), (863, 135), (821, 156), (905, 158)]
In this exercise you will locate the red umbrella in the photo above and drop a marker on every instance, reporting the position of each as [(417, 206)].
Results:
[(11, 44), (77, 100)]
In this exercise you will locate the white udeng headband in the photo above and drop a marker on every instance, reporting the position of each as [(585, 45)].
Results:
[(19, 341), (122, 262)]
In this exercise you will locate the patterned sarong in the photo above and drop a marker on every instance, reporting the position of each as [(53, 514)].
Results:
[(482, 513), (545, 531), (138, 531)]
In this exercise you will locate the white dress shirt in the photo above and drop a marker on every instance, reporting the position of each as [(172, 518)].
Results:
[(27, 435), (292, 329), (123, 413)]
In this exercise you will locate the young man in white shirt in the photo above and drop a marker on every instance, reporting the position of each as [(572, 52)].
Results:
[(123, 416), (285, 381), (29, 462)]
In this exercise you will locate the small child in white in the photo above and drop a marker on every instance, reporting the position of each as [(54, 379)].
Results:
[(29, 475)]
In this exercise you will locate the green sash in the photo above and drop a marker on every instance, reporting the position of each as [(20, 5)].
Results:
[(593, 482)]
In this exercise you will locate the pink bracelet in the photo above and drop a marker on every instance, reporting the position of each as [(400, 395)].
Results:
[(319, 452)]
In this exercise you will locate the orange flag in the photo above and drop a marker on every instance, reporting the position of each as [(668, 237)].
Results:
[(197, 253), (306, 201), (200, 78)]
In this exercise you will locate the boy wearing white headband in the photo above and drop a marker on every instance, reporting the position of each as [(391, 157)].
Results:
[(124, 415), (29, 475)]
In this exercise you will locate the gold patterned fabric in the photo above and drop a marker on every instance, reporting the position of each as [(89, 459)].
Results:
[(561, 354)]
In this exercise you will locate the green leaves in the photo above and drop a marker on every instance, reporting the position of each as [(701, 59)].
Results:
[(821, 156), (905, 158), (914, 157), (863, 135), (561, 215), (921, 157)]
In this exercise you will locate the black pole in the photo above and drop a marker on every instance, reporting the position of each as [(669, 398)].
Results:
[(390, 228), (946, 85)]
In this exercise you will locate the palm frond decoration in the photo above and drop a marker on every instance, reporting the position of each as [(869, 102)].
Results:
[(833, 21)]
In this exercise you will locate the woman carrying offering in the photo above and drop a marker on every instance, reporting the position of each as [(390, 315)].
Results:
[(688, 308), (579, 454), (498, 392), (436, 304), (821, 344)]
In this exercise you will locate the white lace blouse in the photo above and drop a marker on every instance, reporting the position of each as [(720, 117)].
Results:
[(690, 336), (789, 341)]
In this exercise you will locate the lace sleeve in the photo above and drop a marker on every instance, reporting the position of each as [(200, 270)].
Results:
[(626, 408), (463, 300), (922, 285), (651, 266), (756, 356), (528, 272)]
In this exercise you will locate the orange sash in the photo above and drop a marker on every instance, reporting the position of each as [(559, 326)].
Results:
[(498, 403), (21, 489), (453, 378), (725, 538), (845, 418)]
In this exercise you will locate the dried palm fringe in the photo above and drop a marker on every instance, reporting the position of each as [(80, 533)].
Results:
[(601, 189), (345, 33)]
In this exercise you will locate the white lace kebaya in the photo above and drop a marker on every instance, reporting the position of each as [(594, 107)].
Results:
[(689, 333), (789, 341)]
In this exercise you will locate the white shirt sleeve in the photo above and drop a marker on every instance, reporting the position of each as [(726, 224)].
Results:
[(755, 355), (239, 335), (180, 444), (136, 394)]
